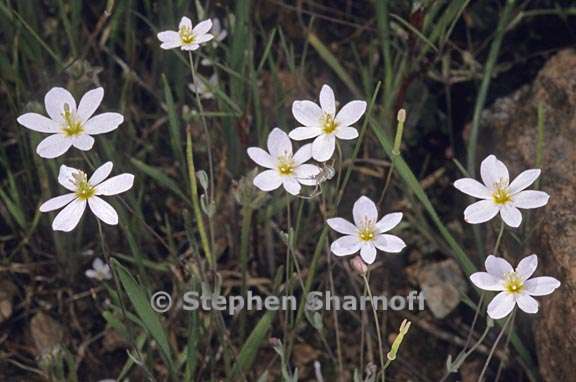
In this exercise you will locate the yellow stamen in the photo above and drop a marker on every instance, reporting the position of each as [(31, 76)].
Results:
[(328, 124), (367, 234), (513, 283), (186, 35), (72, 126), (285, 166), (501, 196), (84, 190)]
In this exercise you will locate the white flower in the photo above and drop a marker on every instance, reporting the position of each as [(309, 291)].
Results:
[(70, 126), (499, 195), (204, 90), (367, 232), (86, 191), (285, 169), (218, 31), (187, 38), (323, 123), (100, 270), (515, 286)]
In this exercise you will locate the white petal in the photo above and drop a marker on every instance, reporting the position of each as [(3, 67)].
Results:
[(83, 142), (66, 178), (171, 44), (203, 38), (364, 211), (279, 144), (302, 133), (525, 179), (350, 113), (368, 253), (346, 133), (268, 180), (327, 100), (388, 222), (480, 212), (346, 245), (486, 281), (342, 226), (473, 188), (103, 123), (511, 215), (323, 147), (291, 185), (202, 27), (493, 171), (98, 264), (53, 146), (527, 303), (91, 274), (497, 266), (38, 122), (57, 202), (303, 154), (68, 218), (185, 22), (501, 305), (527, 266), (103, 210), (530, 199), (389, 243), (115, 185), (89, 103), (306, 174), (261, 157), (190, 47), (168, 36), (55, 100), (307, 113), (101, 173), (541, 286)]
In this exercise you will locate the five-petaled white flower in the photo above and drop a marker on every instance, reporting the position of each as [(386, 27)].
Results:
[(499, 195), (515, 286), (100, 270), (70, 126), (324, 124), (86, 191), (187, 38), (285, 168), (367, 233)]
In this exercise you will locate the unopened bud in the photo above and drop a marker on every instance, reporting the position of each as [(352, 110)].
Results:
[(359, 265), (401, 116)]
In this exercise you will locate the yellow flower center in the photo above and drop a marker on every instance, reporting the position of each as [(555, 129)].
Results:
[(72, 126), (366, 234), (328, 124), (285, 166), (501, 196), (186, 35), (84, 190), (513, 283)]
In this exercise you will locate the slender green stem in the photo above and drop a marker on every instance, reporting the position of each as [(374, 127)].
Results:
[(493, 349), (499, 238), (377, 324)]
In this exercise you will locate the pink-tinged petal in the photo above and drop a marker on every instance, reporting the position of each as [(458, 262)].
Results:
[(203, 38), (306, 174), (389, 243), (526, 267), (185, 22), (346, 133), (501, 305), (268, 180), (168, 36), (473, 188), (388, 222), (494, 172), (171, 44), (302, 133), (57, 202), (55, 100), (530, 199), (101, 173), (38, 122), (83, 142), (364, 211), (342, 226), (486, 281), (307, 113), (327, 100), (303, 154), (350, 113), (103, 210), (115, 185), (103, 123), (480, 212), (89, 103), (497, 266), (527, 303), (202, 27), (346, 245), (541, 286), (291, 185), (261, 157), (66, 177), (525, 179), (511, 215), (68, 218), (368, 253), (53, 146), (279, 144), (323, 147)]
